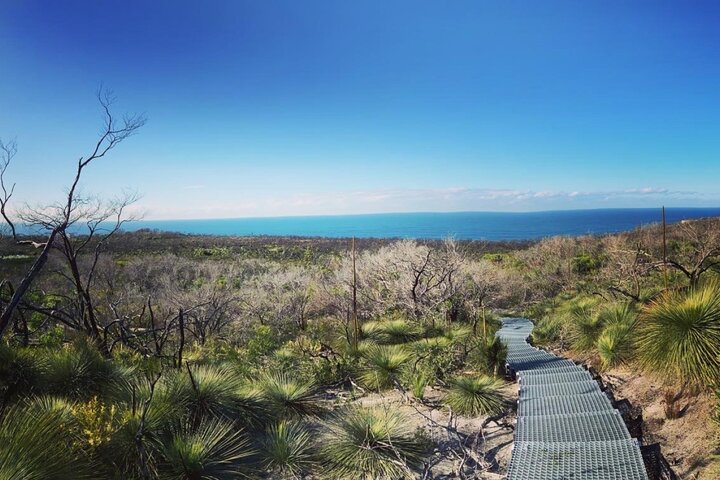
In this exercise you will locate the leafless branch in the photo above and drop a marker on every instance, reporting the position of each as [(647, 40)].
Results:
[(7, 153)]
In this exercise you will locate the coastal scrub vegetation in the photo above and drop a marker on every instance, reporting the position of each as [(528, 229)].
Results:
[(151, 355), (247, 364)]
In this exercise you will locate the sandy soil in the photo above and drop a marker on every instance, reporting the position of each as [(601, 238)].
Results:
[(687, 442)]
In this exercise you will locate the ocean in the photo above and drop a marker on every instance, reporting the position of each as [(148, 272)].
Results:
[(460, 225)]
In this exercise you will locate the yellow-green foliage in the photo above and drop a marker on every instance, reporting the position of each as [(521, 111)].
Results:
[(584, 325), (383, 365), (615, 345), (97, 421), (370, 443), (391, 332), (679, 335), (474, 395), (39, 442), (287, 449)]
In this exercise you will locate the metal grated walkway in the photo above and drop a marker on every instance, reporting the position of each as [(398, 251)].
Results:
[(567, 428)]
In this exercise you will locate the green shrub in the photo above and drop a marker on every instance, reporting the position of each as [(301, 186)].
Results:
[(383, 365), (287, 397), (418, 382), (391, 332), (370, 443), (488, 355), (477, 395), (679, 335), (585, 328), (79, 371), (22, 372), (37, 443), (287, 450), (585, 263), (262, 343), (205, 390), (214, 449), (615, 343)]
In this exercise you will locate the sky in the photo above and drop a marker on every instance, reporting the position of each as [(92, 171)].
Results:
[(266, 108)]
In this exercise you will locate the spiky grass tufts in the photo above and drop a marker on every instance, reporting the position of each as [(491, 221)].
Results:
[(214, 449), (37, 442), (615, 344), (383, 365), (287, 450), (286, 397), (391, 332), (679, 335), (474, 395), (371, 443)]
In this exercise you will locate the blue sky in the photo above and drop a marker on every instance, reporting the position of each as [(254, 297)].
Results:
[(285, 107)]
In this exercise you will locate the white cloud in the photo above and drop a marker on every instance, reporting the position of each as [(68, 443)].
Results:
[(409, 200)]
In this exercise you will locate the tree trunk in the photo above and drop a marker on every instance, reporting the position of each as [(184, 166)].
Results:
[(26, 282), (181, 326)]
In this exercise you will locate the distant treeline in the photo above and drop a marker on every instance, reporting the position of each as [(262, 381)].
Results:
[(147, 241)]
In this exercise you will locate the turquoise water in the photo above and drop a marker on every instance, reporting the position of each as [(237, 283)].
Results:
[(461, 225)]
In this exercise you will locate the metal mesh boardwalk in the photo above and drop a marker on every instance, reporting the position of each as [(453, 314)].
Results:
[(567, 428)]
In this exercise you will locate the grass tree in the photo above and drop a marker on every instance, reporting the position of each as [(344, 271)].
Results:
[(391, 332), (286, 397), (474, 395), (490, 354), (370, 443), (206, 390), (37, 443), (214, 449), (287, 450), (615, 345), (679, 335), (384, 363)]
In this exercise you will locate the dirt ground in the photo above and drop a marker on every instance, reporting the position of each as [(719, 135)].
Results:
[(689, 442), (486, 450)]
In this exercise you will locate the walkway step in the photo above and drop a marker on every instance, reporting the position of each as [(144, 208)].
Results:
[(554, 377), (567, 428), (576, 427), (589, 402), (615, 460)]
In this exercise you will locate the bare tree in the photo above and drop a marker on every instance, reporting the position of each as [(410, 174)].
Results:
[(58, 218), (629, 263), (697, 248), (7, 153), (99, 221)]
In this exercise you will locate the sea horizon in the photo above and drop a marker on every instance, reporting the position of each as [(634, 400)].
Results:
[(465, 225)]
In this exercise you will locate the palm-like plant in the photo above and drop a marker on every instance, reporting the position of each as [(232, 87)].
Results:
[(615, 343), (287, 449), (622, 313), (585, 331), (391, 332), (147, 412), (21, 371), (457, 333), (206, 390), (370, 443), (383, 365), (79, 371), (37, 443), (286, 397), (476, 395), (679, 335), (418, 382), (490, 354), (214, 449)]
